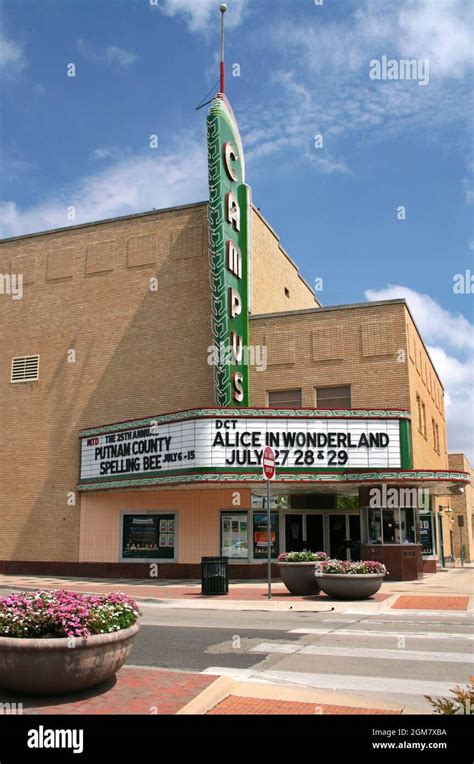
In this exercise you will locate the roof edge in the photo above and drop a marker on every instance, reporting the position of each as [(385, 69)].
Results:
[(349, 306), (105, 220)]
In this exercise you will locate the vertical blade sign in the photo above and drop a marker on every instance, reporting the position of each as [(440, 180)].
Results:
[(230, 209)]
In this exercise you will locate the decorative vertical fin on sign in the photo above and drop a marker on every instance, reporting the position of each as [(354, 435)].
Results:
[(230, 210)]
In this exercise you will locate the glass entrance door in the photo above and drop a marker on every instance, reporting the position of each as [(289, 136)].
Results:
[(354, 535), (337, 537), (294, 533), (344, 537), (315, 533)]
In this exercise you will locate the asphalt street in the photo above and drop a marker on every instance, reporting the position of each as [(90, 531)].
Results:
[(400, 655)]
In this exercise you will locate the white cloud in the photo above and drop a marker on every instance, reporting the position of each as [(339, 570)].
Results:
[(458, 378), (450, 342), (12, 55), (112, 54), (102, 153), (203, 15), (439, 30), (111, 152), (468, 184), (129, 186), (323, 85)]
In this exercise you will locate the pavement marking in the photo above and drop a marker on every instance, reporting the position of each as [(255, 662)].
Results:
[(377, 620), (429, 623), (378, 684), (235, 673), (272, 647), (416, 614), (364, 652), (366, 633), (338, 682), (403, 655)]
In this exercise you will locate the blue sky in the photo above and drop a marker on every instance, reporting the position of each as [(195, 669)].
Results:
[(304, 70)]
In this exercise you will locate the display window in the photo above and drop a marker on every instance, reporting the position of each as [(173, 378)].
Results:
[(234, 535), (260, 535), (427, 534), (148, 536)]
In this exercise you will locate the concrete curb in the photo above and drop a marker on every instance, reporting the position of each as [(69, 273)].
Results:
[(210, 697), (225, 686)]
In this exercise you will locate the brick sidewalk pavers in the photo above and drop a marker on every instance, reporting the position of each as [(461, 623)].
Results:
[(151, 591), (408, 602), (235, 704), (134, 690)]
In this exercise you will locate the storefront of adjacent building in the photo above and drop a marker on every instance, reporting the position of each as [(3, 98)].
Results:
[(462, 506), (141, 382)]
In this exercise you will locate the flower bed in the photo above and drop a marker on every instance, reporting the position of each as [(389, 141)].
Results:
[(348, 567), (343, 579), (48, 614), (302, 557), (56, 641)]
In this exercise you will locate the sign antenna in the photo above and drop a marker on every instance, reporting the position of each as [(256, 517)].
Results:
[(222, 8)]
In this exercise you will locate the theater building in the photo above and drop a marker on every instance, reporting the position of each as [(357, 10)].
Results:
[(150, 360)]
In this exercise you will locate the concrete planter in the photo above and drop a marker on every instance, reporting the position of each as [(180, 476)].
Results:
[(300, 577), (53, 666), (347, 586)]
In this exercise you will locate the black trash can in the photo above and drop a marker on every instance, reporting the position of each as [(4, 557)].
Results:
[(214, 575)]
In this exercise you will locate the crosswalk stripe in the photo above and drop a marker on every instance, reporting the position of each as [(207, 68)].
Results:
[(338, 682), (414, 613), (378, 653), (363, 652), (379, 622), (378, 684), (438, 623), (367, 633), (275, 647)]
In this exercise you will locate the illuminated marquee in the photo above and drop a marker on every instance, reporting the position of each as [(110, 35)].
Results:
[(229, 225), (234, 439)]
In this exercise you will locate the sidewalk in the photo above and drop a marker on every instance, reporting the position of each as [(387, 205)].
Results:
[(155, 691), (452, 589)]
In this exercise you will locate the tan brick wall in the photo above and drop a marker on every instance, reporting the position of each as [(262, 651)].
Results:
[(197, 513), (425, 383), (138, 353), (377, 380), (273, 272), (463, 504)]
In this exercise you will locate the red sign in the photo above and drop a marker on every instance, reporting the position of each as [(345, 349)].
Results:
[(269, 463)]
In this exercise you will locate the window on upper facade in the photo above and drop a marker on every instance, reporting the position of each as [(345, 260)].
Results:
[(284, 399), (334, 397), (420, 417)]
